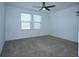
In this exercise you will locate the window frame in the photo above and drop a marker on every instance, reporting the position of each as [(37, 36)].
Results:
[(31, 22), (25, 21), (36, 21)]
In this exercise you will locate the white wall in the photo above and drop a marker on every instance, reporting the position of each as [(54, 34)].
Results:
[(13, 28), (64, 23), (2, 34)]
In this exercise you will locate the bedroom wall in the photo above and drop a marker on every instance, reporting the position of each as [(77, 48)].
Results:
[(13, 28), (63, 23), (2, 31)]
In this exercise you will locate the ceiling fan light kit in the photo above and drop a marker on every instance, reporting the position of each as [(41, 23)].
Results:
[(43, 8)]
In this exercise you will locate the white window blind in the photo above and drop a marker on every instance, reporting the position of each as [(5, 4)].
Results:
[(29, 21), (37, 21), (25, 21)]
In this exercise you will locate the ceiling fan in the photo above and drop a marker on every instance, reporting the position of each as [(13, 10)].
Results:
[(77, 12), (44, 7)]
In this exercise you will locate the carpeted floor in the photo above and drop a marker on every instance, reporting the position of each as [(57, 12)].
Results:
[(44, 46)]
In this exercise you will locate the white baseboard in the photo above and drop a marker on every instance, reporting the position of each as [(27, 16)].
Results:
[(63, 38), (25, 37)]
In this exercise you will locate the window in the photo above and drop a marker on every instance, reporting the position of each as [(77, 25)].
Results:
[(25, 25), (29, 21), (25, 21), (36, 21), (36, 26)]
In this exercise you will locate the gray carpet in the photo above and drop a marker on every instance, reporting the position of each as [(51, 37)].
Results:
[(44, 46)]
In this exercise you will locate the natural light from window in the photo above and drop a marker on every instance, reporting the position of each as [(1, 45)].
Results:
[(29, 21), (25, 21), (36, 21)]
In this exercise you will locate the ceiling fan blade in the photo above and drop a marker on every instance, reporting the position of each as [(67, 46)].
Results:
[(50, 6), (47, 9), (40, 9), (77, 12)]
